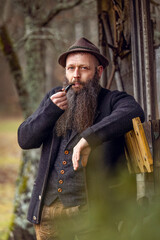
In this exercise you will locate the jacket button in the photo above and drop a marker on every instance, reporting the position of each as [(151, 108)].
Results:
[(66, 152), (62, 171), (64, 162), (59, 189), (60, 181), (34, 218), (39, 197)]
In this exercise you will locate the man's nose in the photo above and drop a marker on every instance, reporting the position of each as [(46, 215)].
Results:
[(77, 72)]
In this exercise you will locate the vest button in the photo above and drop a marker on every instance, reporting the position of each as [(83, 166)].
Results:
[(64, 162), (66, 152), (60, 181), (34, 218), (39, 197), (59, 189), (62, 171)]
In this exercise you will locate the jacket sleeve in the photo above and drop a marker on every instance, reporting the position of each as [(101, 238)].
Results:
[(34, 130), (123, 109)]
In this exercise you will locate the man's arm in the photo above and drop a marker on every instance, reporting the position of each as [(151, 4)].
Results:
[(35, 129), (124, 109), (60, 100)]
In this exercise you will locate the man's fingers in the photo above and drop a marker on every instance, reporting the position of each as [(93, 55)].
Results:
[(81, 150), (75, 159), (59, 94), (63, 105), (60, 100)]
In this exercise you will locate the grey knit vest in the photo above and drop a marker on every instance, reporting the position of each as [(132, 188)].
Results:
[(65, 183)]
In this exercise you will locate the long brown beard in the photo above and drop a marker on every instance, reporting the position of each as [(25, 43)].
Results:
[(81, 108)]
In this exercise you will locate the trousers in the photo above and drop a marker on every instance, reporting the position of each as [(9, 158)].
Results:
[(60, 223)]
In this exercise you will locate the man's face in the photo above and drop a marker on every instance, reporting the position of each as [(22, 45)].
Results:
[(80, 68)]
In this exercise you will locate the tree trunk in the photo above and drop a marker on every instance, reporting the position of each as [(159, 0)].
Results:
[(34, 79)]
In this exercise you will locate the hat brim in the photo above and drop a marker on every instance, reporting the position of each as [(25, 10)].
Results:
[(102, 60)]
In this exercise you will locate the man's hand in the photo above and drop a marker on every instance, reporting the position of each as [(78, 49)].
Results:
[(60, 100), (82, 149)]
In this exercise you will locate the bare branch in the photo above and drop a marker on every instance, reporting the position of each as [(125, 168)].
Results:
[(60, 7), (30, 8), (6, 47)]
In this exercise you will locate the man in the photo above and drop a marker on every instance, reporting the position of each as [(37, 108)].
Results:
[(74, 127)]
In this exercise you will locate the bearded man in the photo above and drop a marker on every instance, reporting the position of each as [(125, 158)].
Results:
[(73, 128)]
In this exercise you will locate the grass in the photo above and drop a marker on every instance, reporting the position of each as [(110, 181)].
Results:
[(10, 154)]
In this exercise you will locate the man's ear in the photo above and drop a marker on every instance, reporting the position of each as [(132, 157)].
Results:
[(100, 70)]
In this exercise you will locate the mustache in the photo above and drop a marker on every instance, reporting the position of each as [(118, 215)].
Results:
[(66, 82), (78, 81)]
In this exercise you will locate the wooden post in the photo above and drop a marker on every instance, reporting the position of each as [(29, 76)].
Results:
[(142, 63), (156, 154)]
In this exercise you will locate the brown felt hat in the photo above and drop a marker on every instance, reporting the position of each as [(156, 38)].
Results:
[(83, 45)]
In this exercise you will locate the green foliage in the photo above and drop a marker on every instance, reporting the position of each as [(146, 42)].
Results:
[(117, 215)]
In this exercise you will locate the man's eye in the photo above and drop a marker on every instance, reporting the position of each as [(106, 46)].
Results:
[(70, 68), (84, 68)]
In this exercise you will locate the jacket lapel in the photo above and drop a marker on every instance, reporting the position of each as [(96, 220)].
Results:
[(74, 138)]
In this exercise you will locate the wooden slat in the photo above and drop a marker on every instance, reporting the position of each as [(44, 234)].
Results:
[(135, 158), (143, 144), (138, 155)]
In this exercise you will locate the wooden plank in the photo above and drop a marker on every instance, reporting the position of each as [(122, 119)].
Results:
[(143, 144), (135, 158), (137, 150)]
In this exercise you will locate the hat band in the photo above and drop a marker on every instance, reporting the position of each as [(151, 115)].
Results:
[(87, 48)]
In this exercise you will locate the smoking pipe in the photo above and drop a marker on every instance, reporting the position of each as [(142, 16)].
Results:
[(67, 88)]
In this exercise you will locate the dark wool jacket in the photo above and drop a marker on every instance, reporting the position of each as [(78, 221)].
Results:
[(113, 119)]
